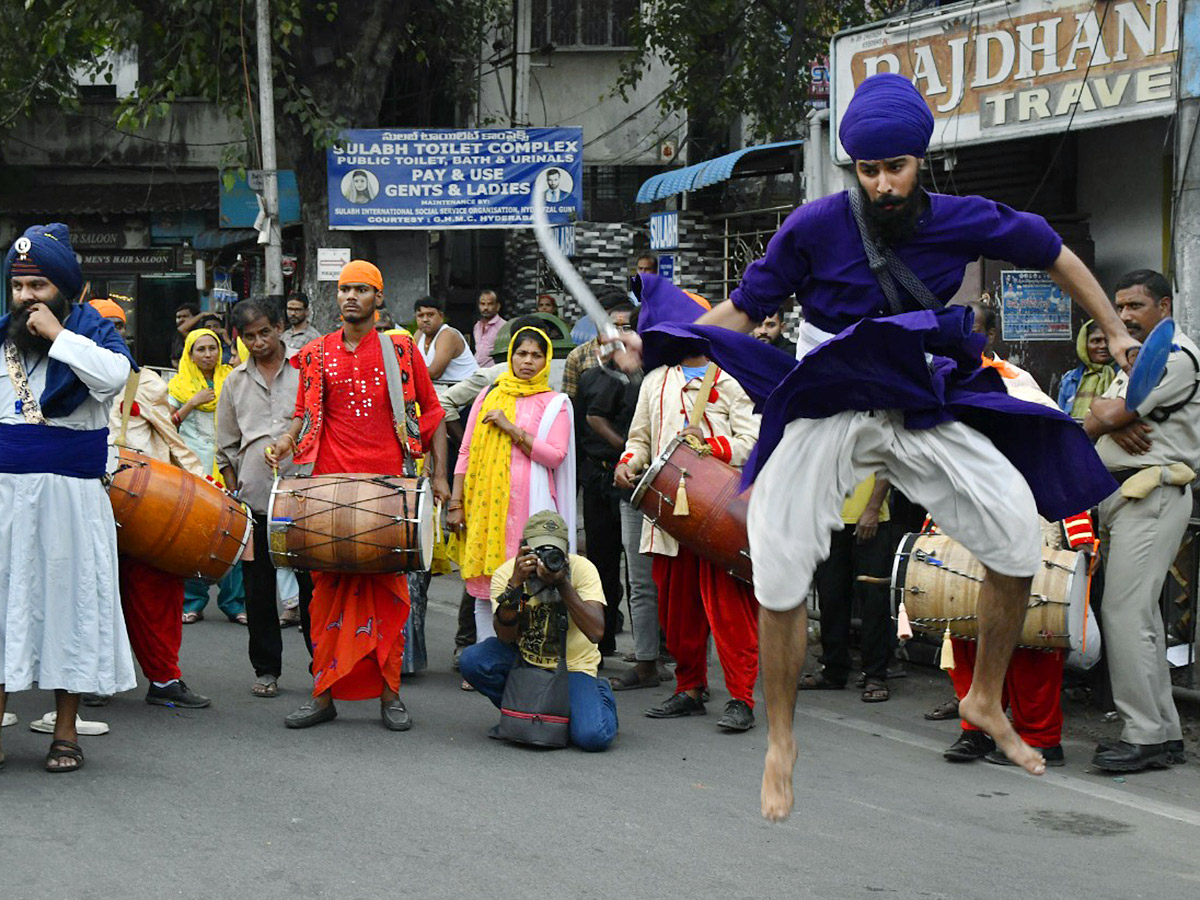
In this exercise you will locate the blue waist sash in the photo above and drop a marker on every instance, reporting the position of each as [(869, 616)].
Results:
[(53, 450)]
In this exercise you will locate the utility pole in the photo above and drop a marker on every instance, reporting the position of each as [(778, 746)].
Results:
[(270, 183), (522, 40)]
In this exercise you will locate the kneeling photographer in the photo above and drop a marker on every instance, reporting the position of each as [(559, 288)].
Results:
[(534, 596)]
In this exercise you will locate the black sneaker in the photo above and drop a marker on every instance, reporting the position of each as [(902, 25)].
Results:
[(738, 716), (1052, 755), (678, 706), (970, 746), (176, 694)]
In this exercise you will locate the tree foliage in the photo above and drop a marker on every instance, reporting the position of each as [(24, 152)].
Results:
[(741, 58)]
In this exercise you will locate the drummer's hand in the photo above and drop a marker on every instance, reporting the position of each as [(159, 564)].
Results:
[(281, 450), (441, 490), (693, 431), (1132, 438), (456, 521), (526, 566), (499, 419), (43, 323), (1123, 348), (630, 358), (623, 477)]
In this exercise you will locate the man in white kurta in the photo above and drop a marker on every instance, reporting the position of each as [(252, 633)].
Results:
[(60, 617)]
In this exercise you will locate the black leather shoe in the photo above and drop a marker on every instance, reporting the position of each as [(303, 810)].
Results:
[(1052, 755), (1176, 754), (311, 713), (176, 694), (395, 716), (738, 716), (678, 706), (970, 746), (1126, 757)]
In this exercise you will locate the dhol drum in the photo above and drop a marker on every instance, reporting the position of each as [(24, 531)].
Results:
[(367, 524), (174, 521), (938, 580), (715, 526)]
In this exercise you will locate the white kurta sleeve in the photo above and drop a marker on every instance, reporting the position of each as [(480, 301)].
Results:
[(102, 370)]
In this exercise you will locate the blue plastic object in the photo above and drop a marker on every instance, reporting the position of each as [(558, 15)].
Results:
[(1150, 364)]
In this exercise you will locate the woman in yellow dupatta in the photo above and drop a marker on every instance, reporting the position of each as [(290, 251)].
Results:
[(193, 395), (517, 458)]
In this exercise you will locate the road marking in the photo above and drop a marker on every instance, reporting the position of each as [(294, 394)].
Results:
[(1058, 779)]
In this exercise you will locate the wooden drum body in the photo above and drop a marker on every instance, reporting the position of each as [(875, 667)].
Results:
[(174, 521), (715, 527), (368, 524), (938, 581)]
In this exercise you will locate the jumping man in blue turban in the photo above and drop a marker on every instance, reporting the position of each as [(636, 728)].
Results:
[(890, 384), (61, 625)]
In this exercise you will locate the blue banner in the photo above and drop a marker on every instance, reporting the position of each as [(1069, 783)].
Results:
[(454, 178)]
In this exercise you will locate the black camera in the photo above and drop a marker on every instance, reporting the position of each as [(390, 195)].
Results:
[(551, 557)]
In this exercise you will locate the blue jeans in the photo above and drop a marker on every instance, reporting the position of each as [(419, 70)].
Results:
[(593, 708), (231, 595)]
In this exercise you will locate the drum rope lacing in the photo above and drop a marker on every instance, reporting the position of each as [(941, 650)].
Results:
[(331, 505), (932, 622)]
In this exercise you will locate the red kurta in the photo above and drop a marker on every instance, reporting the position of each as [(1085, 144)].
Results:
[(358, 620)]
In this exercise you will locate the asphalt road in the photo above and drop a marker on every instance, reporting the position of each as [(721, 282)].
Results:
[(226, 803)]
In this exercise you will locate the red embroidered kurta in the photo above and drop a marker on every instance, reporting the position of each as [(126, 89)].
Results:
[(358, 620)]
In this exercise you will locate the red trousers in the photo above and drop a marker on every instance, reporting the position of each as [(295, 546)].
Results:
[(1032, 690), (152, 601), (694, 598)]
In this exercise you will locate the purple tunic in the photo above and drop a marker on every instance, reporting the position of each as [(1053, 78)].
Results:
[(878, 362), (818, 256)]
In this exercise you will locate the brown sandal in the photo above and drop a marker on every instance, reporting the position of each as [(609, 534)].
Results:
[(265, 688), (875, 692), (816, 681), (61, 749)]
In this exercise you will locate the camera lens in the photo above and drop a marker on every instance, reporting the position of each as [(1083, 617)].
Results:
[(552, 558)]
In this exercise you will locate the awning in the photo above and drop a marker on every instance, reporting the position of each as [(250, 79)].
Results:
[(64, 199), (765, 159), (220, 238)]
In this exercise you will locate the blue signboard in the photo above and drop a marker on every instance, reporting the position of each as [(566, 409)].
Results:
[(1033, 308), (454, 178), (666, 267), (239, 204), (664, 231)]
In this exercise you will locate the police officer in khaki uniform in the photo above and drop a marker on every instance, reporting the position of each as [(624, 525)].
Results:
[(1153, 453)]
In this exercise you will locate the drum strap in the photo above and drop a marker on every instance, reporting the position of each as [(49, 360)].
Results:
[(391, 370), (131, 387)]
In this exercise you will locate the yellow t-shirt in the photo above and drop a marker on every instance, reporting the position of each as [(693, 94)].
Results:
[(540, 638), (853, 508)]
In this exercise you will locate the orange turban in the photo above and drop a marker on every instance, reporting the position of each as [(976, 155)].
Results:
[(359, 271), (108, 308)]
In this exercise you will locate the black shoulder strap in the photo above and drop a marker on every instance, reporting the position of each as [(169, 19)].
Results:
[(1162, 413), (887, 267)]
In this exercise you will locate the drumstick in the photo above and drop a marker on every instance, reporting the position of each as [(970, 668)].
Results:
[(131, 387), (697, 415), (873, 579)]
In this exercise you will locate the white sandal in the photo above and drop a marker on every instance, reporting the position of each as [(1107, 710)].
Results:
[(45, 725)]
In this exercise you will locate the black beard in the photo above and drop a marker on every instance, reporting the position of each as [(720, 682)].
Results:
[(25, 340), (895, 222)]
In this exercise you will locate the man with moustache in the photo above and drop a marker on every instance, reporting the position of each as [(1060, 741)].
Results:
[(890, 383), (770, 331), (344, 422), (485, 330), (255, 409), (300, 330), (1153, 452), (60, 616)]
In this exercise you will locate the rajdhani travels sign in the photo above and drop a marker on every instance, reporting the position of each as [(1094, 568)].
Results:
[(993, 71)]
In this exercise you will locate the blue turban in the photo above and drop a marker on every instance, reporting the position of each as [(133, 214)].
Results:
[(887, 117), (46, 250)]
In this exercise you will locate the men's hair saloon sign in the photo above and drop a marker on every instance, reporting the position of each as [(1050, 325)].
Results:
[(992, 71)]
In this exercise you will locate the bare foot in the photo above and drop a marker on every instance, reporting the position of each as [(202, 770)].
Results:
[(996, 724), (777, 797)]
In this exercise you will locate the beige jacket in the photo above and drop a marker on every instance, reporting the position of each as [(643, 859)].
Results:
[(150, 430), (665, 401)]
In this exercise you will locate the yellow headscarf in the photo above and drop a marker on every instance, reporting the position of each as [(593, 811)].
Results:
[(488, 482), (190, 380)]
